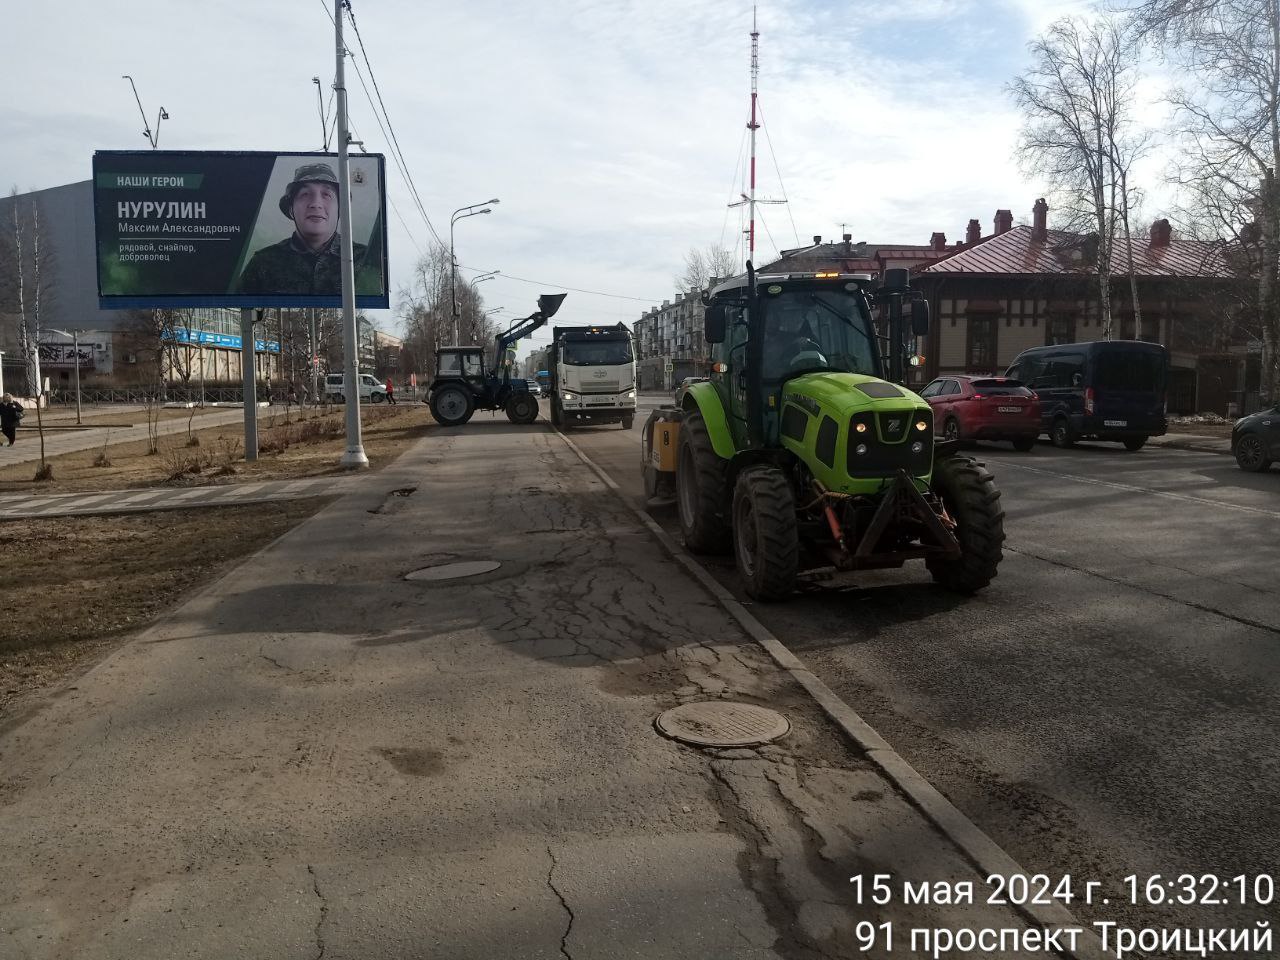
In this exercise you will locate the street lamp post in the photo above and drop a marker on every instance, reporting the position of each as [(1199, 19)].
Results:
[(75, 348), (461, 214)]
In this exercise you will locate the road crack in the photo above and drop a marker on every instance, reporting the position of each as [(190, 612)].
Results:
[(324, 912), (564, 939)]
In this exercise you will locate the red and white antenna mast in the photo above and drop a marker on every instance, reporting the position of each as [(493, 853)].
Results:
[(753, 126)]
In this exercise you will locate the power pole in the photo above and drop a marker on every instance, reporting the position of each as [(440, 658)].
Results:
[(354, 457)]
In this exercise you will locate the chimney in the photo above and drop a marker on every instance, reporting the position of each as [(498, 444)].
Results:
[(938, 241), (973, 234), (817, 239), (1040, 221), (847, 238), (1161, 233), (1004, 221)]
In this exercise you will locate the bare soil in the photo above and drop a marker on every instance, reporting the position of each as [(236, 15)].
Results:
[(1220, 430), (289, 447), (74, 588)]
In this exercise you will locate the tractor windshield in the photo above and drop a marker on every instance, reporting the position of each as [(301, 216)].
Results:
[(809, 330)]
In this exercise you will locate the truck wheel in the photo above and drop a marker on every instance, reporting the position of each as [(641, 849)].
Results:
[(1062, 434), (969, 493), (628, 420), (557, 416), (766, 542), (700, 489), (522, 408), (452, 406), (1134, 443)]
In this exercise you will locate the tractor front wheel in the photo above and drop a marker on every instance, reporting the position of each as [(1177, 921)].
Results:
[(969, 493), (522, 408), (452, 406), (765, 538), (700, 489)]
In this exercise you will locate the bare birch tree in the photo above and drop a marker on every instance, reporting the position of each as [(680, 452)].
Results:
[(1228, 130), (1079, 134), (700, 266)]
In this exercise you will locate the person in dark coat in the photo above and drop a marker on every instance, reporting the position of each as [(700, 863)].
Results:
[(10, 416)]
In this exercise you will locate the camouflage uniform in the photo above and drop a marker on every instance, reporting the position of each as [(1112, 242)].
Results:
[(289, 268)]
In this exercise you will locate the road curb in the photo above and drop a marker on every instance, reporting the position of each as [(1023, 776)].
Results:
[(979, 849)]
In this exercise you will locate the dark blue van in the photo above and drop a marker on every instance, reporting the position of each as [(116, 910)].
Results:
[(1104, 390)]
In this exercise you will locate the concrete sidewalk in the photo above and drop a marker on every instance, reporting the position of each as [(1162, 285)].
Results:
[(318, 757), (167, 498), (27, 449), (1193, 441)]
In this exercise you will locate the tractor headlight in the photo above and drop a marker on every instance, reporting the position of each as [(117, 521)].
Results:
[(922, 426), (860, 427), (860, 449), (917, 447)]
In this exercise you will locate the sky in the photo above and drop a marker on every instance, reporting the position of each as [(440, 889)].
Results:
[(611, 131)]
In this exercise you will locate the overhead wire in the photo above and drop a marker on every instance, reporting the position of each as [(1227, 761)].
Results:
[(560, 286)]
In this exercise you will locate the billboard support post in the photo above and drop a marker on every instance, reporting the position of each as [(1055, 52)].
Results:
[(249, 379), (354, 457)]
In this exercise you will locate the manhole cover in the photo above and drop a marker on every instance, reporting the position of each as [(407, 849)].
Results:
[(454, 571), (722, 723)]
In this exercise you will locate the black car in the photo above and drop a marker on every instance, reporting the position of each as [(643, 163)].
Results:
[(1255, 440)]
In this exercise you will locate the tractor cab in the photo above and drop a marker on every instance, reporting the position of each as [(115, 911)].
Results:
[(465, 363)]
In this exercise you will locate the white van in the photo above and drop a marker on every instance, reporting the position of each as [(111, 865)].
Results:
[(371, 388)]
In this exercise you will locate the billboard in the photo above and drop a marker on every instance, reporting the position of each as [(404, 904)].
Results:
[(211, 229)]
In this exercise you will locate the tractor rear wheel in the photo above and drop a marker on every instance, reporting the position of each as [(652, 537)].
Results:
[(522, 408), (700, 489), (969, 493), (452, 406), (765, 537)]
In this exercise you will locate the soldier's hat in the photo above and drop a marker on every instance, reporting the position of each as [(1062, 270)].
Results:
[(307, 173)]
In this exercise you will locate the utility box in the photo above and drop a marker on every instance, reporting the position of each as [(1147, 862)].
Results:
[(666, 433)]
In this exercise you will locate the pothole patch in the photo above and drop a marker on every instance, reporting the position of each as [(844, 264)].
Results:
[(454, 571), (722, 723)]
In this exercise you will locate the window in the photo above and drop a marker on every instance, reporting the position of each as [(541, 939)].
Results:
[(1138, 370), (1057, 370), (1060, 328), (932, 390), (951, 388), (982, 342)]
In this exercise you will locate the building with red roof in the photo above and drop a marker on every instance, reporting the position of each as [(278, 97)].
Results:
[(993, 297)]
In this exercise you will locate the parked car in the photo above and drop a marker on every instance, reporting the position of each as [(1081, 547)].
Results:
[(1105, 390), (984, 408), (1255, 440), (371, 388), (684, 384)]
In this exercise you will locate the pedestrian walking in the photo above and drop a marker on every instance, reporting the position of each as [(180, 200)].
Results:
[(10, 417), (391, 391)]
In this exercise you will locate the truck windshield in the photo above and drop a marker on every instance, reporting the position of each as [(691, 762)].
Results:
[(817, 330), (597, 353)]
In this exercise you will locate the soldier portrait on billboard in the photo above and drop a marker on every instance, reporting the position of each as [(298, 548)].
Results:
[(309, 261)]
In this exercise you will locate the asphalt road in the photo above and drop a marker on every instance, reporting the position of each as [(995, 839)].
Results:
[(1108, 706)]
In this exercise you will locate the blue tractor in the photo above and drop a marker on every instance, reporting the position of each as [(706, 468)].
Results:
[(463, 385)]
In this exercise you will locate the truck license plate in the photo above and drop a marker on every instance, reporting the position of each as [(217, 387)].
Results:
[(1115, 423), (1009, 409)]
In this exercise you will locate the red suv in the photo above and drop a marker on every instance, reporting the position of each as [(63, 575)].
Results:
[(984, 408)]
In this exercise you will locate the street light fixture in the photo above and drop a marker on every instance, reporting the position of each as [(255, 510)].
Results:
[(461, 214), (483, 277)]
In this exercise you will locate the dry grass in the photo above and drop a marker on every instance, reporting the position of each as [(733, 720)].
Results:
[(1220, 430), (61, 417), (289, 448), (72, 588)]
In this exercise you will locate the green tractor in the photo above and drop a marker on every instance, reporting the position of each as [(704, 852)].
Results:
[(802, 456)]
